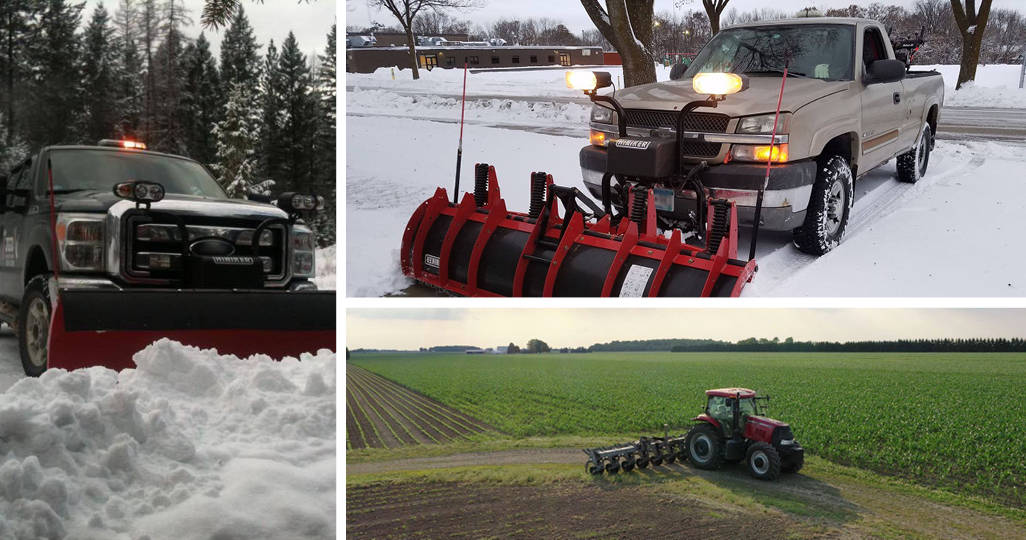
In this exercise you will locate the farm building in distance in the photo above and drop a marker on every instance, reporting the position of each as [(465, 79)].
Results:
[(366, 53)]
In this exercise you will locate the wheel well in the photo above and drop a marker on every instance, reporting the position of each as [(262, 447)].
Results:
[(931, 118), (35, 264), (843, 145)]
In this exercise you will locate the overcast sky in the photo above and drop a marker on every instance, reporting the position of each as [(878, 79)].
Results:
[(273, 19), (412, 328), (361, 12)]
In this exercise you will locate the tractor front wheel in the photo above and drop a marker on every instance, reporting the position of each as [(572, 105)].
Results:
[(705, 447), (763, 461)]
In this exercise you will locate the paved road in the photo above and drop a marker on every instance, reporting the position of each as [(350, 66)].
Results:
[(956, 122)]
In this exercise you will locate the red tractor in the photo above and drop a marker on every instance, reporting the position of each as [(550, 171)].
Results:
[(731, 429)]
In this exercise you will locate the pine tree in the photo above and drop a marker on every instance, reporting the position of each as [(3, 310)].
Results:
[(201, 101), (166, 133), (299, 120), (15, 18), (99, 72), (148, 24), (239, 53), (55, 88), (129, 86), (325, 224), (238, 135), (271, 115)]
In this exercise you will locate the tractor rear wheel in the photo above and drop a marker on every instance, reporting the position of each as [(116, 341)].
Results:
[(763, 461), (705, 447), (794, 464)]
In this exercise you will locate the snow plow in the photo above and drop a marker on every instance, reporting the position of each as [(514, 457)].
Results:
[(569, 245), (101, 267)]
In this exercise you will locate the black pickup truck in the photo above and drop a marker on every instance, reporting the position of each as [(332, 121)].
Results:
[(130, 219)]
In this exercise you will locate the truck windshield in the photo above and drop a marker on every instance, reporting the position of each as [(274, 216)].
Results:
[(808, 50), (100, 170)]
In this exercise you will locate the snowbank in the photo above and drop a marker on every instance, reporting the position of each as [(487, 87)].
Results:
[(191, 444), (996, 85), (325, 279), (496, 111)]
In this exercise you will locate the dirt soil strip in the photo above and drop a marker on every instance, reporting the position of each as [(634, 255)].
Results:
[(561, 511), (385, 414), (821, 496)]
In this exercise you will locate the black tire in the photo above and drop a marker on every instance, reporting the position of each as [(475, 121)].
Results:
[(763, 461), (912, 164), (593, 468), (705, 447), (34, 325), (612, 466), (829, 207), (627, 465), (794, 464)]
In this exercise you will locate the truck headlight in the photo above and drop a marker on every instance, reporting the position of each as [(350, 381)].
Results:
[(763, 124), (602, 115), (304, 248), (80, 241), (759, 154)]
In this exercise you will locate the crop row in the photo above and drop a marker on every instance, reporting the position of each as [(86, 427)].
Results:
[(951, 420)]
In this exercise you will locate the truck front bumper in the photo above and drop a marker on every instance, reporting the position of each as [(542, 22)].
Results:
[(86, 282), (784, 202)]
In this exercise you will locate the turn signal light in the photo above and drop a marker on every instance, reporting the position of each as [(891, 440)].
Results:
[(771, 153)]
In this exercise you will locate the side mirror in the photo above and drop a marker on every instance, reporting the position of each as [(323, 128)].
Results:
[(886, 71), (677, 71)]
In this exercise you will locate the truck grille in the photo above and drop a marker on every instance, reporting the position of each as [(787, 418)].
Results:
[(153, 247), (696, 121)]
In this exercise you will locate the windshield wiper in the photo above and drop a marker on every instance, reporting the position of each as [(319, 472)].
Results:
[(779, 72)]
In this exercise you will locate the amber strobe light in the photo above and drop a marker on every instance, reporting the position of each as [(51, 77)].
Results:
[(581, 80), (597, 138), (718, 84)]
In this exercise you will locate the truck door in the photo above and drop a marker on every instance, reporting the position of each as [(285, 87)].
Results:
[(883, 111), (15, 198)]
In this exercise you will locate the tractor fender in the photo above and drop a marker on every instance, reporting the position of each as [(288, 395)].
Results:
[(706, 418)]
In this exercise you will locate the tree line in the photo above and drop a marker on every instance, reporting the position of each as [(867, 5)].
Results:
[(258, 116), (956, 31)]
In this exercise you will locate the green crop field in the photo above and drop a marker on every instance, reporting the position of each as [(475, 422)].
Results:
[(956, 421)]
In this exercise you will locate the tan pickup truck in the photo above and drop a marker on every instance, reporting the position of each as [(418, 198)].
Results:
[(848, 106)]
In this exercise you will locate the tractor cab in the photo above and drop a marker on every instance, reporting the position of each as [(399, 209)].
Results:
[(731, 408)]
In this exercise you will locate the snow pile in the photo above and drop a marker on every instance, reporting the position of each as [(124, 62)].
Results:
[(325, 279), (191, 444), (490, 110), (996, 85)]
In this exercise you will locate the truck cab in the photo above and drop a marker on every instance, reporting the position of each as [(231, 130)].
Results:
[(846, 107), (129, 219)]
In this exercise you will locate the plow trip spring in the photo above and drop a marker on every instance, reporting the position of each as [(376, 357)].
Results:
[(479, 248), (641, 453)]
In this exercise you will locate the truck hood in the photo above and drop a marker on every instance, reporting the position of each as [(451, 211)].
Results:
[(759, 98), (101, 202)]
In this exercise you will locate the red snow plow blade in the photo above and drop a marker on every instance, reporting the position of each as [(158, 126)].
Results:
[(106, 328), (479, 248)]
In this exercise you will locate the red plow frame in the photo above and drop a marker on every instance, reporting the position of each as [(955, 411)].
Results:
[(479, 248)]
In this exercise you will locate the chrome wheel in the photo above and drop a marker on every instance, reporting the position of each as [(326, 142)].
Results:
[(923, 150), (37, 331), (759, 462), (835, 206)]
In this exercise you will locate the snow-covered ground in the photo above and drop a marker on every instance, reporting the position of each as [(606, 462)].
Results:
[(902, 240), (189, 444), (996, 85)]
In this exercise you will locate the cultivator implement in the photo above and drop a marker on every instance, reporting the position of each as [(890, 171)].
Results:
[(480, 248), (641, 453)]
